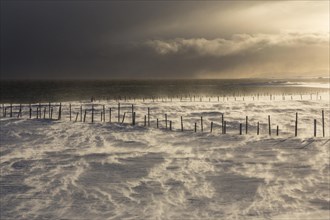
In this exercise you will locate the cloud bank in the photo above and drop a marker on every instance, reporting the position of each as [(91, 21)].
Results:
[(239, 43)]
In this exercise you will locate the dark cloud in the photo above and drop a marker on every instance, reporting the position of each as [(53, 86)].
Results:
[(88, 39)]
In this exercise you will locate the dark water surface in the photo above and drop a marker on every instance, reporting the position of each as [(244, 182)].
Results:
[(36, 91)]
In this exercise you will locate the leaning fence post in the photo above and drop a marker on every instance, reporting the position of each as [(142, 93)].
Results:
[(123, 118), (323, 122), (296, 125), (85, 115), (211, 126), (76, 117)]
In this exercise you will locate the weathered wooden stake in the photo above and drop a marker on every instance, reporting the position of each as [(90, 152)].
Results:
[(132, 114), (76, 117), (44, 112), (195, 127), (269, 126), (246, 124), (258, 128), (277, 130), (37, 112), (296, 125), (81, 112), (49, 107), (60, 112), (104, 112), (225, 127), (118, 112), (92, 113), (145, 120), (323, 123), (11, 110), (157, 123), (133, 118), (201, 123), (240, 128), (314, 127), (181, 124), (170, 125), (222, 123), (70, 111), (123, 118), (51, 113), (166, 121), (85, 115), (148, 116), (211, 126), (109, 115)]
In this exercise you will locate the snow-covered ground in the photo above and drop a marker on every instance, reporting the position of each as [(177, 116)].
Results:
[(73, 170)]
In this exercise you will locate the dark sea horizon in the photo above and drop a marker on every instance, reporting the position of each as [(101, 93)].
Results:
[(25, 91)]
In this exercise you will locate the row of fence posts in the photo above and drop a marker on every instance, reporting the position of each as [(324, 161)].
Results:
[(146, 118)]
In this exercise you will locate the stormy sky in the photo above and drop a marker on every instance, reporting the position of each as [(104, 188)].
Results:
[(159, 39)]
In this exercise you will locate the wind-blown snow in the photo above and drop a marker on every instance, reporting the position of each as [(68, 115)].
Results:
[(74, 170)]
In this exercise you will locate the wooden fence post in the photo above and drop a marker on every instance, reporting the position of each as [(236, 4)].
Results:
[(269, 126), (104, 112), (51, 113), (225, 127), (296, 125), (123, 118), (109, 115), (157, 123), (240, 128), (170, 125), (277, 130), (148, 116), (166, 121), (145, 120), (76, 117), (85, 115), (118, 112), (246, 124), (222, 122), (60, 112), (133, 118), (92, 113), (11, 110), (211, 126), (81, 113), (323, 123), (258, 129), (70, 110), (201, 123), (314, 127), (181, 124), (132, 114)]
